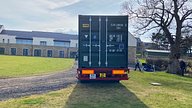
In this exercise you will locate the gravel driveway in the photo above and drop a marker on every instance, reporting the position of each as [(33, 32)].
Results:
[(18, 87)]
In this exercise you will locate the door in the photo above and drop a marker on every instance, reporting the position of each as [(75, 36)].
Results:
[(25, 52), (2, 50), (61, 54), (37, 52), (73, 54), (49, 53), (13, 51)]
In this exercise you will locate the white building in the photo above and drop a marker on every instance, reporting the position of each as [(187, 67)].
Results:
[(37, 38), (132, 46), (35, 43)]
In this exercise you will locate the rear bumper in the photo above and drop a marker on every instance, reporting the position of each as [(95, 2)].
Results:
[(104, 79), (109, 76)]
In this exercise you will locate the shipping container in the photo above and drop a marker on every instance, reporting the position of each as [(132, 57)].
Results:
[(103, 48)]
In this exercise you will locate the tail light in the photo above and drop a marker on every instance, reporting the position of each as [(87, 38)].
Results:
[(87, 71), (118, 72)]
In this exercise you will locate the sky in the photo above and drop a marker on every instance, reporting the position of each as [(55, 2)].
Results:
[(54, 15)]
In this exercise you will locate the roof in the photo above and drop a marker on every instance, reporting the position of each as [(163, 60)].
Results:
[(148, 43), (138, 39), (1, 26), (31, 34), (157, 51), (132, 40)]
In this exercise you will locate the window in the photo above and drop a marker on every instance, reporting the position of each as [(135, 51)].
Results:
[(8, 41), (3, 40), (2, 50), (24, 41), (49, 53), (43, 43), (63, 44), (37, 52), (61, 54), (13, 51), (76, 45), (25, 52)]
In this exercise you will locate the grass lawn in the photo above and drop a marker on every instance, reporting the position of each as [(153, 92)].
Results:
[(15, 66), (175, 92)]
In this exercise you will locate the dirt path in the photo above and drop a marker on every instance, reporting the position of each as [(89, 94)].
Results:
[(18, 87)]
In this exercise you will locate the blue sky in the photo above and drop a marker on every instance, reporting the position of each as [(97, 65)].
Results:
[(53, 15)]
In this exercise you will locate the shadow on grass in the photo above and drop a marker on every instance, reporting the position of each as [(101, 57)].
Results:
[(103, 95)]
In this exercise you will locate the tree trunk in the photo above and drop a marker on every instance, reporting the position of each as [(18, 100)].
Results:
[(173, 66)]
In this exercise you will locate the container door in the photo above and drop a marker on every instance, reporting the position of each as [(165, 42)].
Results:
[(90, 42), (116, 42)]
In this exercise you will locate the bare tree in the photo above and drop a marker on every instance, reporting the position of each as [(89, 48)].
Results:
[(169, 16), (160, 40)]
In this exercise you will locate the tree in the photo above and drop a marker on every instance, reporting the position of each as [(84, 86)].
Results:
[(186, 42), (186, 45), (160, 40), (169, 16)]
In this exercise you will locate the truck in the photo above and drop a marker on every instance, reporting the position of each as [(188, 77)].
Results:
[(103, 48)]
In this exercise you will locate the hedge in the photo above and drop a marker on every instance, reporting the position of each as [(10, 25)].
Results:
[(160, 63)]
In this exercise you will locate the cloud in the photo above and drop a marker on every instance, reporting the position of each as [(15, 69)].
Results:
[(52, 15), (59, 22), (93, 7), (36, 15), (54, 4)]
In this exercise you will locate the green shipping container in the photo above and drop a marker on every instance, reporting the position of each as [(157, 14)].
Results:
[(103, 41), (103, 45)]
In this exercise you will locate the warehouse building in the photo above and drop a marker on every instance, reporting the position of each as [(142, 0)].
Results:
[(156, 53), (47, 44)]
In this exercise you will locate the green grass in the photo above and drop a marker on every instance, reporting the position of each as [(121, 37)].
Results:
[(137, 92), (32, 101), (175, 92), (16, 66)]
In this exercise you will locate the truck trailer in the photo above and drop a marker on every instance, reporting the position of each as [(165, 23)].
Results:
[(103, 48)]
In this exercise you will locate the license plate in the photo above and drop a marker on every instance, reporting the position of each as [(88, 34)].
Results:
[(102, 75), (92, 76)]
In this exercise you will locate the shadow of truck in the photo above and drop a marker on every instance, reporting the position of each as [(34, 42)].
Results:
[(103, 95)]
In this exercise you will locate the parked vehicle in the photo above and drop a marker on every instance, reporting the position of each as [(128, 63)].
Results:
[(147, 67), (103, 48)]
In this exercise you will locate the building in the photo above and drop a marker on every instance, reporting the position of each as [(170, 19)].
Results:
[(150, 45), (156, 53), (35, 43), (140, 45), (132, 46), (189, 52), (47, 44)]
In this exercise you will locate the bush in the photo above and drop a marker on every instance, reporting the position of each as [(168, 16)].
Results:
[(189, 67), (160, 64)]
